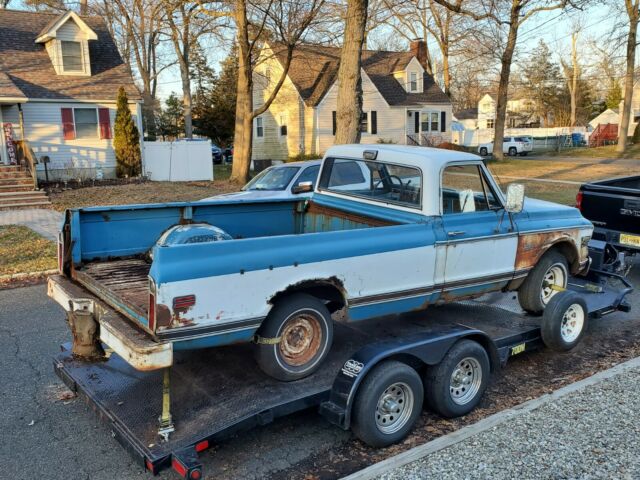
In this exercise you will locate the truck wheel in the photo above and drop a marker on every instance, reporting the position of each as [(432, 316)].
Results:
[(483, 151), (539, 287), (564, 321), (387, 404), (455, 385), (304, 327), (513, 151)]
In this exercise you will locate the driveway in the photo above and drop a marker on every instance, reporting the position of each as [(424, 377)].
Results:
[(46, 433)]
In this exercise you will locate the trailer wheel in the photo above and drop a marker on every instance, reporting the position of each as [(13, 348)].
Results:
[(297, 336), (455, 385), (564, 321), (387, 404), (539, 287)]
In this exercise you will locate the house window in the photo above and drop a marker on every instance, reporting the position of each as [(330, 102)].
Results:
[(86, 122), (72, 57), (283, 124), (413, 84), (435, 121), (486, 106), (430, 122), (490, 123), (364, 123), (259, 127)]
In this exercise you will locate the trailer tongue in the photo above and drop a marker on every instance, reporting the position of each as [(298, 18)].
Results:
[(218, 392)]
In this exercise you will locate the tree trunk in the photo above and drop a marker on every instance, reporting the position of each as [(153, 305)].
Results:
[(446, 75), (187, 103), (349, 109), (503, 86), (574, 78), (243, 131), (623, 133)]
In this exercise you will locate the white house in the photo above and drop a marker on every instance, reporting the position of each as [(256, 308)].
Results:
[(520, 113), (59, 77), (401, 102)]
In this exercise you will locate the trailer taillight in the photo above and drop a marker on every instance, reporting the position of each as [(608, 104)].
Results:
[(579, 201)]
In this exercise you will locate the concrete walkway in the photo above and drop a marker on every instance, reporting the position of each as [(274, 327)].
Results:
[(43, 221), (587, 430)]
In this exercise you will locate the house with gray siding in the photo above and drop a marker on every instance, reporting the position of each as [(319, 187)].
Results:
[(59, 77), (402, 104)]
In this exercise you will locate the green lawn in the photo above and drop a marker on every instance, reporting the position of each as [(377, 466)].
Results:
[(24, 251)]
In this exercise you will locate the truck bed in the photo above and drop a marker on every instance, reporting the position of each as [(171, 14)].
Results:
[(123, 284)]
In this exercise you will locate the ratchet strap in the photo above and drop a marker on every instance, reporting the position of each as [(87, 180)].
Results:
[(257, 339)]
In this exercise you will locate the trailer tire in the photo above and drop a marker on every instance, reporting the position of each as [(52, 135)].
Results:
[(533, 296), (564, 321), (455, 386), (387, 404), (303, 327)]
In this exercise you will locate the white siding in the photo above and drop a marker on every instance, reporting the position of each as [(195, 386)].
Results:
[(68, 158)]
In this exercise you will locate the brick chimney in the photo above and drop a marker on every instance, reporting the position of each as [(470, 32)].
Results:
[(419, 49)]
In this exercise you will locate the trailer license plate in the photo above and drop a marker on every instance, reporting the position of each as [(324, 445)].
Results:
[(518, 349), (633, 240)]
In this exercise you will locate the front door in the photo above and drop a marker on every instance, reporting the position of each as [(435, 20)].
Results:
[(478, 247)]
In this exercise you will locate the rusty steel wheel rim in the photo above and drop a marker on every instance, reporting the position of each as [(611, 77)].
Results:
[(300, 339)]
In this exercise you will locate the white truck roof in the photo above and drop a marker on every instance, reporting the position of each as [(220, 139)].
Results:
[(430, 160)]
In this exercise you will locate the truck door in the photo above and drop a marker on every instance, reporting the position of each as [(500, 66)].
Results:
[(476, 250)]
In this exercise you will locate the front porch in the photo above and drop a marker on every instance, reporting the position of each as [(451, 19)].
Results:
[(426, 127)]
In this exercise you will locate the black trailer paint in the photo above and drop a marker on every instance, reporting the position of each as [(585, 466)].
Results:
[(219, 392)]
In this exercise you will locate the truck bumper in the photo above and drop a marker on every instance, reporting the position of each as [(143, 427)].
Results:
[(133, 345)]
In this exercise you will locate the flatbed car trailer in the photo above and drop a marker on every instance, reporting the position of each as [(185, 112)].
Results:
[(219, 392)]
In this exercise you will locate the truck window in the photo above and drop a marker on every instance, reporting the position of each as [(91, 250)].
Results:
[(309, 174), (377, 181), (465, 190)]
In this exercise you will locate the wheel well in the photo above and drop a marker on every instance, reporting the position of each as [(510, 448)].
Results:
[(568, 250), (329, 290)]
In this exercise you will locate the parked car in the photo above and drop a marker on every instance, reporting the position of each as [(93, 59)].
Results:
[(278, 181), (216, 154), (228, 154), (397, 229), (510, 145), (613, 206)]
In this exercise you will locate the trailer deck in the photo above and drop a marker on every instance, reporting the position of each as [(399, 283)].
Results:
[(221, 391)]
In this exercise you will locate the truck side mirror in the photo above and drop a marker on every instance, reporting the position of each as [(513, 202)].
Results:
[(515, 198), (303, 187)]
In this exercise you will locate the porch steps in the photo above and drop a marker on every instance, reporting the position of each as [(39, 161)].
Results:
[(16, 189)]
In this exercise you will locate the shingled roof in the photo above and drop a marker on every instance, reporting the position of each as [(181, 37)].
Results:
[(27, 66), (314, 69)]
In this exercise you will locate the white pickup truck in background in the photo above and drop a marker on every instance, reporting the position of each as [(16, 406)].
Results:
[(510, 145)]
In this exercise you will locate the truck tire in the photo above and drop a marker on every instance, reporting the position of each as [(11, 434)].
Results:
[(564, 321), (303, 331), (535, 292), (455, 385), (387, 404), (513, 151), (484, 151)]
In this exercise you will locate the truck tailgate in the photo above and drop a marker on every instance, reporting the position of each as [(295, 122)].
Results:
[(613, 204)]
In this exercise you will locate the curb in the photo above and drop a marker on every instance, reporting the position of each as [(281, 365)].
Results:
[(26, 276), (494, 420)]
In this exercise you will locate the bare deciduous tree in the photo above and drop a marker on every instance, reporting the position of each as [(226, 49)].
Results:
[(572, 73), (349, 108), (631, 7)]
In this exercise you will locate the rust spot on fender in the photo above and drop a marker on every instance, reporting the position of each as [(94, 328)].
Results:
[(531, 246), (163, 315)]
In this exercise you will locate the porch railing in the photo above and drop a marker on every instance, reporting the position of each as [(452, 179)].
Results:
[(27, 157)]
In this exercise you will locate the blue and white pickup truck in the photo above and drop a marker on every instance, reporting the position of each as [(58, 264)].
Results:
[(393, 229)]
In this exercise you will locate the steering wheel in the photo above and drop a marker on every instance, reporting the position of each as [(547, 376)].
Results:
[(391, 177)]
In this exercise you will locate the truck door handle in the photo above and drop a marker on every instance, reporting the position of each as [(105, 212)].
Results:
[(455, 233)]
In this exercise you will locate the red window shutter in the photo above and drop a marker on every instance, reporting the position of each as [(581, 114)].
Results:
[(68, 130), (105, 123)]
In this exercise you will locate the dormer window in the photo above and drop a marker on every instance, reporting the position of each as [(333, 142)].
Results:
[(413, 83), (72, 61)]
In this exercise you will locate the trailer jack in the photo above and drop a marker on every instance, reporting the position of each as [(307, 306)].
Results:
[(165, 421)]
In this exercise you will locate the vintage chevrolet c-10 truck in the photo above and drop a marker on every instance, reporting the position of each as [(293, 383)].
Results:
[(388, 229)]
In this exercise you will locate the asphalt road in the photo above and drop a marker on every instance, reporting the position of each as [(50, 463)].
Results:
[(46, 434)]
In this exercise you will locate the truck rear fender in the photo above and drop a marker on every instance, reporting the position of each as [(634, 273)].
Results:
[(330, 290), (418, 352)]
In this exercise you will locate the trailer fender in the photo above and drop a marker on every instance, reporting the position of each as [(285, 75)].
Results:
[(417, 351)]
